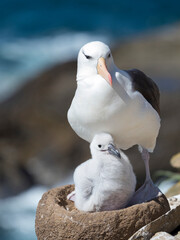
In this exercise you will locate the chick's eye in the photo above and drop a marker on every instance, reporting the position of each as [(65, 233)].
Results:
[(99, 146)]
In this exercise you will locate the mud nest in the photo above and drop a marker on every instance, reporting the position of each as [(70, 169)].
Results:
[(57, 218)]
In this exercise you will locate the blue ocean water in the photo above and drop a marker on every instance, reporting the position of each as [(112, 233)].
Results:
[(17, 220), (38, 33), (17, 213)]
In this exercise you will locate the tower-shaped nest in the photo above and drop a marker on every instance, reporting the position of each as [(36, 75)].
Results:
[(57, 218)]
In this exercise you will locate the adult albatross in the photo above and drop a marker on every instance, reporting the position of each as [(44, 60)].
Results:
[(123, 103)]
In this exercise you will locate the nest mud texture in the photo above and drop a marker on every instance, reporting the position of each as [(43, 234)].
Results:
[(57, 218)]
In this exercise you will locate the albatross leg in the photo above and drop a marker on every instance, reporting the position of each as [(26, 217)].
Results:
[(148, 190)]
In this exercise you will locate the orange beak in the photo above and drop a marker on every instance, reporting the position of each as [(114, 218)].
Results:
[(102, 70)]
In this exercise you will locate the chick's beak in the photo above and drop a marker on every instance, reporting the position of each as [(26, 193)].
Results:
[(113, 150), (102, 70)]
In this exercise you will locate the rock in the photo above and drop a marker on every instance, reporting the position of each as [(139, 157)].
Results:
[(165, 223), (157, 53), (37, 145), (162, 236), (57, 218), (178, 236)]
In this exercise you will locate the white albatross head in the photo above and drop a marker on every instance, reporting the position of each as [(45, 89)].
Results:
[(103, 143), (95, 58)]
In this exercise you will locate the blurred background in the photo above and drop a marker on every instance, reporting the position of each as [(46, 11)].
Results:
[(39, 43)]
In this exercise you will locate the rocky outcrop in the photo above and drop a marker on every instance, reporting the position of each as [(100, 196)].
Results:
[(165, 223), (163, 236), (57, 218), (37, 145)]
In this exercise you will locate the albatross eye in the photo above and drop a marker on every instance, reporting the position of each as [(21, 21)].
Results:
[(99, 146), (109, 55), (88, 57)]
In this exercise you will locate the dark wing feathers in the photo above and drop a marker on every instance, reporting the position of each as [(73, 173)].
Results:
[(146, 86)]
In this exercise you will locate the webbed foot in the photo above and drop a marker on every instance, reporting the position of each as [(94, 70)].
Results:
[(145, 193)]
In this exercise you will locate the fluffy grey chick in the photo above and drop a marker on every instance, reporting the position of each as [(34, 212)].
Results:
[(106, 181)]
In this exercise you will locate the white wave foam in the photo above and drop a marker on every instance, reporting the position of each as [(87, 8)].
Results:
[(22, 58)]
